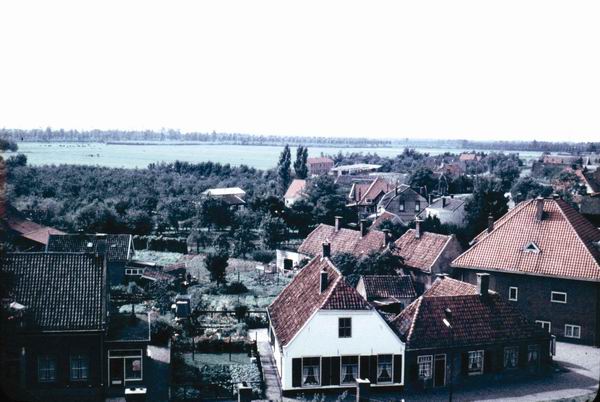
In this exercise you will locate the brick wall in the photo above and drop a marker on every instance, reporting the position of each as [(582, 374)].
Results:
[(582, 307)]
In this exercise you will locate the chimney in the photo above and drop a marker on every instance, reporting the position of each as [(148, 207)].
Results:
[(363, 227), (443, 202), (490, 223), (429, 199), (338, 221), (442, 276), (539, 208), (452, 196), (323, 282), (101, 244), (483, 283), (418, 228), (387, 238), (396, 189), (326, 249)]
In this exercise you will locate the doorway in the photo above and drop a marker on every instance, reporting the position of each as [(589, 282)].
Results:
[(439, 371)]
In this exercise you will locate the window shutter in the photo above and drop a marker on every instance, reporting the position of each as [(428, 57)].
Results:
[(326, 371), (373, 369), (488, 361), (296, 372), (397, 369), (364, 367), (335, 371), (523, 356), (465, 363)]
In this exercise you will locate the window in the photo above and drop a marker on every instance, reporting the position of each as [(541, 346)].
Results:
[(531, 248), (572, 331), (384, 369), (544, 324), (125, 365), (401, 206), (417, 206), (133, 271), (513, 293), (511, 357), (133, 368), (533, 354), (349, 371), (345, 327), (46, 368), (558, 297), (80, 366), (425, 367), (475, 362), (311, 371)]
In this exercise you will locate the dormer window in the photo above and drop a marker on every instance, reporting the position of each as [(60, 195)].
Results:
[(531, 248)]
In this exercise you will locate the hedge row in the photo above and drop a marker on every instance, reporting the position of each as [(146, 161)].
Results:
[(161, 243)]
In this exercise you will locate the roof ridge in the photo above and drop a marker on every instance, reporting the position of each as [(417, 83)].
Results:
[(572, 227), (414, 318)]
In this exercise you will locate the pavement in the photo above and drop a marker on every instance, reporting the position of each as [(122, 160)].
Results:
[(576, 378)]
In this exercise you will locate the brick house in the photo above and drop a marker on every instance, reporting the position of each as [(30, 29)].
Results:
[(403, 202), (425, 255), (357, 242), (118, 247), (543, 256), (323, 334), (57, 333), (366, 196), (319, 166), (388, 293), (488, 337)]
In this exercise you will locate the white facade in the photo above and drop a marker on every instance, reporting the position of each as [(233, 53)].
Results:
[(319, 337), (289, 201), (283, 255), (447, 216)]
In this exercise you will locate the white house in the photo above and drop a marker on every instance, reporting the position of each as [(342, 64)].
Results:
[(449, 210), (325, 335)]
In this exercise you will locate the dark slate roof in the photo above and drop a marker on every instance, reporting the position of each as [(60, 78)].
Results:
[(568, 243), (119, 246), (476, 320), (62, 291), (388, 286), (301, 298)]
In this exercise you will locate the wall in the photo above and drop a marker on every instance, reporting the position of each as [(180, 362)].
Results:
[(292, 255), (582, 307), (456, 217), (370, 336)]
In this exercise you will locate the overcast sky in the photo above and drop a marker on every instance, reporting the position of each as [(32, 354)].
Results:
[(423, 69)]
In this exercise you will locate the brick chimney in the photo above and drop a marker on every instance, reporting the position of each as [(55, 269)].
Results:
[(323, 282), (418, 232), (483, 283), (326, 249), (363, 227), (338, 223), (490, 223), (539, 208), (443, 202)]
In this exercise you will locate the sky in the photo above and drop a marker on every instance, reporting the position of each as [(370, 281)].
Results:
[(482, 70)]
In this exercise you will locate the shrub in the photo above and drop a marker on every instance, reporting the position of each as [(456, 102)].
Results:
[(241, 311), (264, 256), (161, 331), (235, 288)]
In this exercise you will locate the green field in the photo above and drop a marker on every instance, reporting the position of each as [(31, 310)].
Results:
[(139, 156)]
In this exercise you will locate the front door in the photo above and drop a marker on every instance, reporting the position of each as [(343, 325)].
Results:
[(116, 372), (439, 371)]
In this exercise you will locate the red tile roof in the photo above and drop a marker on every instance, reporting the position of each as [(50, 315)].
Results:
[(388, 286), (342, 241), (295, 189), (568, 243), (368, 195), (469, 157), (301, 298), (319, 160), (423, 252), (29, 229), (476, 320)]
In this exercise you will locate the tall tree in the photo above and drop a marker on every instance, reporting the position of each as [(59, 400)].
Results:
[(300, 164), (216, 264), (284, 174)]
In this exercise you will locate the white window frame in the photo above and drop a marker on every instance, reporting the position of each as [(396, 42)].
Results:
[(476, 353), (423, 362), (134, 353), (417, 206), (391, 369), (553, 293), (510, 289), (45, 378), (317, 375), (340, 327), (343, 373), (515, 350), (401, 206), (543, 324), (572, 328), (83, 368)]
